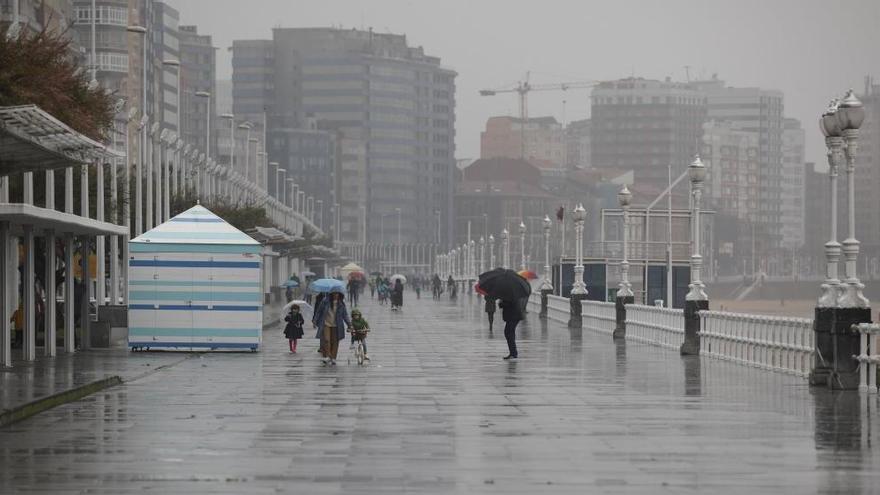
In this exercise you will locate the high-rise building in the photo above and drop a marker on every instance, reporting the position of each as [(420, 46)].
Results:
[(34, 15), (817, 231), (645, 126), (539, 140), (389, 99), (577, 144), (199, 73), (164, 46), (867, 176), (759, 111), (792, 187)]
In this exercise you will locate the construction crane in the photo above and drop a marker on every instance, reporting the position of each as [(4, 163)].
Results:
[(523, 88)]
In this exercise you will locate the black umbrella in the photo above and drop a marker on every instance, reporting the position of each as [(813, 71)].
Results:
[(505, 284)]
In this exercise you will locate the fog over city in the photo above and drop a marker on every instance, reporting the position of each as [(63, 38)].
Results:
[(809, 49)]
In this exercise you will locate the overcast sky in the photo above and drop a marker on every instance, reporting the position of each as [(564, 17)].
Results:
[(810, 49)]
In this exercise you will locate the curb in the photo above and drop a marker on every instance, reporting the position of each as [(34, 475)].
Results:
[(27, 410)]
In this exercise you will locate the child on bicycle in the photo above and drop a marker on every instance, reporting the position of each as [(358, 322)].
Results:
[(359, 330)]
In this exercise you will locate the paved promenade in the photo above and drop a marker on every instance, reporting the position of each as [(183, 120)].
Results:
[(438, 411)]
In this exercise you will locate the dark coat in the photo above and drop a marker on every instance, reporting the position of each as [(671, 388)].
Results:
[(397, 294), (511, 311), (294, 328), (342, 319), (491, 304)]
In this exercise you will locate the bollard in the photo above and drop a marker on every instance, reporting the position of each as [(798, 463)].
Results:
[(846, 344), (691, 344), (823, 321), (620, 316), (575, 310)]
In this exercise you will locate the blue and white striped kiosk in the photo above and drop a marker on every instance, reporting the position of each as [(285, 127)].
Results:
[(195, 285)]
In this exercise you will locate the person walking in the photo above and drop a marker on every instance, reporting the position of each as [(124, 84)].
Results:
[(331, 318), (397, 295), (490, 307), (293, 331), (353, 292), (511, 312)]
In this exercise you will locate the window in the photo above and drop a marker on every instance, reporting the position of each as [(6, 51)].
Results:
[(113, 62), (104, 14)]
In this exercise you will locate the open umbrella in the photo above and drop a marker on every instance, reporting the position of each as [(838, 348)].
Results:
[(307, 274), (394, 278), (356, 276), (327, 285), (479, 290), (505, 284), (305, 308), (290, 284), (375, 273), (527, 274)]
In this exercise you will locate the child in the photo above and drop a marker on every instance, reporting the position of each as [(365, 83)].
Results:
[(490, 310), (294, 328), (359, 330)]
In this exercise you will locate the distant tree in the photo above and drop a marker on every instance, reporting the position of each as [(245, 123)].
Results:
[(41, 69)]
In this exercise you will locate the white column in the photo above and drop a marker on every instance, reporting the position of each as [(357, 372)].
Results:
[(114, 239), (99, 242), (29, 306), (69, 339), (5, 303), (50, 316)]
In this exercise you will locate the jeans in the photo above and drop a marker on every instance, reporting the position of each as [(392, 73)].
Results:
[(510, 335)]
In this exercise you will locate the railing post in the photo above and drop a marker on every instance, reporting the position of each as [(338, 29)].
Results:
[(844, 373), (544, 294), (575, 310), (691, 344)]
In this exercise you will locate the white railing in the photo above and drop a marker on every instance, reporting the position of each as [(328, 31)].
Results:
[(867, 361), (775, 343), (655, 325), (598, 316), (558, 308)]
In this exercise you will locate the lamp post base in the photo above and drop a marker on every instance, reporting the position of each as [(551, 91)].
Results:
[(544, 298), (575, 310), (823, 323), (691, 344), (620, 316), (846, 344)]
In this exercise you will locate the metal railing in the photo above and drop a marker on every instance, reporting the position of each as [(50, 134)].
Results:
[(775, 343), (557, 308), (655, 325), (598, 316), (867, 361)]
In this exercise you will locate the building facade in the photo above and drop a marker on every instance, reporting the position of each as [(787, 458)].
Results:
[(539, 140), (868, 175), (645, 126), (792, 187), (391, 99), (577, 144), (199, 73)]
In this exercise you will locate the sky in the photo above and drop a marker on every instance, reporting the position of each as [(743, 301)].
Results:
[(812, 50)]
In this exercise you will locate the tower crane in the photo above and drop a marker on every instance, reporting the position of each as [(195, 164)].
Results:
[(523, 88)]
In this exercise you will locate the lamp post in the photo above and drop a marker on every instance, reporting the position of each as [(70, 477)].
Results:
[(579, 289), (546, 285), (207, 95), (139, 178), (522, 245), (231, 118), (482, 266), (850, 115), (150, 168), (505, 251), (472, 255), (624, 197), (696, 299), (491, 252), (830, 128)]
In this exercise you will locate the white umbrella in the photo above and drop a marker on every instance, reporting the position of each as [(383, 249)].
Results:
[(396, 277), (305, 308)]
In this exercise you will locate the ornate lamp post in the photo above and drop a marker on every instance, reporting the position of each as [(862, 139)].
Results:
[(522, 245), (505, 248), (624, 291), (491, 252), (579, 289), (696, 298), (546, 285), (482, 267), (850, 115), (473, 265)]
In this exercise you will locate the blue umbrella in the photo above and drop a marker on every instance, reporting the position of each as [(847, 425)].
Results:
[(327, 285), (290, 284)]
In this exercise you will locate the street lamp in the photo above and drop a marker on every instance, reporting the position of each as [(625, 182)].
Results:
[(579, 289), (830, 127), (850, 115), (154, 130), (205, 94), (547, 285), (231, 118), (522, 245), (491, 252), (246, 126), (505, 248), (624, 197), (697, 174), (399, 247), (482, 267)]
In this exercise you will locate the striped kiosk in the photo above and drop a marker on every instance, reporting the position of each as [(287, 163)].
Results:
[(195, 285)]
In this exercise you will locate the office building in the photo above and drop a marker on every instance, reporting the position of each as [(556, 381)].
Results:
[(539, 140), (199, 74), (792, 185)]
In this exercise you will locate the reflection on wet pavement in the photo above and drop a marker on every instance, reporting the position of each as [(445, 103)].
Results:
[(438, 411)]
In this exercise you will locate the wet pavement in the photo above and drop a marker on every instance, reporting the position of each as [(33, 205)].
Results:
[(438, 411)]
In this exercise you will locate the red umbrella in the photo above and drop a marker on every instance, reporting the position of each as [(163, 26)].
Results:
[(527, 274), (479, 290)]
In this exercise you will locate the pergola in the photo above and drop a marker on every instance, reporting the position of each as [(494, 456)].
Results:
[(32, 140)]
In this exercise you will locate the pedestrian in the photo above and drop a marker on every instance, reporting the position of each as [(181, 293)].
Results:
[(307, 294), (451, 287), (397, 295), (293, 331), (331, 319), (353, 291), (372, 289), (511, 312), (418, 290), (490, 307)]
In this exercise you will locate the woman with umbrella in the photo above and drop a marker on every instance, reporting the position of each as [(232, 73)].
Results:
[(331, 318), (397, 292), (511, 289)]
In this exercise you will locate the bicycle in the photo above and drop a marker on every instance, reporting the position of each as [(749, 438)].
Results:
[(359, 353)]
